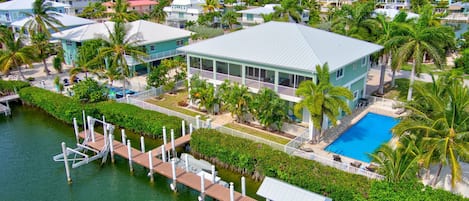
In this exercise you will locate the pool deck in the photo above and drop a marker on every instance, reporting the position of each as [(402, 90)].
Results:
[(335, 132)]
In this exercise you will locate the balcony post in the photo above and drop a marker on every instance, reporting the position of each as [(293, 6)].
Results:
[(276, 78), (243, 75), (214, 70)]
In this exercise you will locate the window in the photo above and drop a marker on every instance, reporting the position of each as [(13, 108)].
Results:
[(339, 74), (250, 17), (355, 95), (180, 43), (68, 43), (364, 61), (222, 67), (152, 47), (181, 15), (207, 64), (235, 70), (194, 62)]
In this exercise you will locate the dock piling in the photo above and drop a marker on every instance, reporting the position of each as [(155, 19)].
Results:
[(173, 147), (129, 152), (111, 146), (75, 127), (213, 174), (84, 121), (183, 128), (123, 136), (67, 169), (142, 144), (163, 154), (202, 186), (173, 170), (150, 163), (231, 191), (243, 186), (164, 135)]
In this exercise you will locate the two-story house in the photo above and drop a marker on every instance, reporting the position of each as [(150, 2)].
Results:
[(279, 56), (139, 6), (182, 11), (14, 10), (254, 16), (77, 6), (157, 40)]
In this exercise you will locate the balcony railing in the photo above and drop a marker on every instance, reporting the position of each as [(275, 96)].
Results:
[(256, 84), (153, 57)]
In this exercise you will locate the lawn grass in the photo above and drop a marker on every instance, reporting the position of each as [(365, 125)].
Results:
[(424, 68), (258, 133), (399, 92), (171, 102)]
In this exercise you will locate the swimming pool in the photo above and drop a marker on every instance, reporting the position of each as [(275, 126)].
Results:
[(364, 137)]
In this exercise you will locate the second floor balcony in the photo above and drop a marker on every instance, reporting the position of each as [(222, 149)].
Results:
[(153, 57)]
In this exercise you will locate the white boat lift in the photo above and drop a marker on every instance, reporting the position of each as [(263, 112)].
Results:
[(79, 156)]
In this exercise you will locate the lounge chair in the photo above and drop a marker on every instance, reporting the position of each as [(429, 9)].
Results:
[(356, 164), (400, 111), (337, 158), (66, 82), (371, 168)]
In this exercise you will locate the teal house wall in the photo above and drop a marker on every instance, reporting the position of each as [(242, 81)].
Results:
[(9, 16)]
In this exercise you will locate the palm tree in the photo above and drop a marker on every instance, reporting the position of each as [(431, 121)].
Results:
[(322, 99), (157, 14), (93, 11), (269, 109), (211, 6), (288, 10), (121, 14), (236, 99), (230, 18), (14, 53), (40, 41), (440, 117), (417, 39), (355, 21), (117, 48), (42, 18)]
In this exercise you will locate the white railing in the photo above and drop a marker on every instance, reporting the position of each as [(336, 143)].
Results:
[(385, 102), (153, 92), (152, 57)]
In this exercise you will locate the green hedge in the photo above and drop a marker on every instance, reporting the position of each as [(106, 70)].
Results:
[(124, 115), (10, 86), (257, 159)]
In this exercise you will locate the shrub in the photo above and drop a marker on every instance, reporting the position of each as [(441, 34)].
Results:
[(11, 86), (412, 190), (90, 91), (128, 116), (137, 119), (260, 160)]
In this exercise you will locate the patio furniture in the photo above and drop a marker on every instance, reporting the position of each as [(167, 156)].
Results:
[(371, 168), (66, 82), (337, 158), (356, 164)]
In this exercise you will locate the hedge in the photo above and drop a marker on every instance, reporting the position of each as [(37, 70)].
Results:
[(260, 160), (124, 115), (11, 86)]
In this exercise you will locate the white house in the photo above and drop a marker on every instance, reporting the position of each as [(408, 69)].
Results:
[(68, 21), (182, 11), (14, 10), (76, 6), (254, 16)]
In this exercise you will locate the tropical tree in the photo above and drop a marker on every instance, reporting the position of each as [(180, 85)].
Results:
[(211, 6), (418, 39), (157, 14), (94, 10), (121, 14), (269, 109), (89, 91), (236, 99), (314, 10), (288, 10), (439, 116), (117, 48), (40, 41), (85, 59), (14, 53), (230, 18), (42, 18), (322, 99), (355, 21)]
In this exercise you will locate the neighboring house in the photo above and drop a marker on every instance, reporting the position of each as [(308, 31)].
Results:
[(15, 10), (393, 4), (139, 6), (254, 16), (159, 41), (391, 13), (182, 11), (279, 56), (67, 20), (76, 6)]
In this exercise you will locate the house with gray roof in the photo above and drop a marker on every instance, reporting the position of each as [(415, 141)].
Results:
[(254, 16), (279, 56), (159, 41)]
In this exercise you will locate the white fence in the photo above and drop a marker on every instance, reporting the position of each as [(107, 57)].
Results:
[(153, 92), (384, 102)]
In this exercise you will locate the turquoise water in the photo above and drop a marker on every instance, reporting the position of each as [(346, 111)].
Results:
[(364, 137), (30, 138)]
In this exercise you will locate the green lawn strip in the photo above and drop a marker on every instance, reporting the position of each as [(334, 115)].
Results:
[(399, 92), (425, 68), (268, 136), (171, 101)]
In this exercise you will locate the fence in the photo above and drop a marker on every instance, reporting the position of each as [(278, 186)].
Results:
[(384, 102), (153, 92), (240, 134)]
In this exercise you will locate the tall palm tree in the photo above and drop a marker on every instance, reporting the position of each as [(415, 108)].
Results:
[(40, 41), (15, 53), (230, 18), (288, 10), (415, 40), (117, 48), (322, 99), (94, 10), (355, 21), (121, 14), (236, 99), (157, 14), (211, 6), (269, 109), (440, 117), (42, 18)]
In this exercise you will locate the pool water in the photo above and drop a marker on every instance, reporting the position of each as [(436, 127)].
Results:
[(364, 137)]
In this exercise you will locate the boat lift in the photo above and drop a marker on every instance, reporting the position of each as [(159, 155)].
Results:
[(79, 156)]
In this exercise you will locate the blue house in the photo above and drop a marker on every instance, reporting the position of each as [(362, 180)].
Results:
[(159, 41), (279, 56), (14, 10)]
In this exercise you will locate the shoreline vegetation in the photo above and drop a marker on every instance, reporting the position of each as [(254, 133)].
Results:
[(244, 156)]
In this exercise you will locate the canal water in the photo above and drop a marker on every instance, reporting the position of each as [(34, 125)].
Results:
[(30, 138)]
